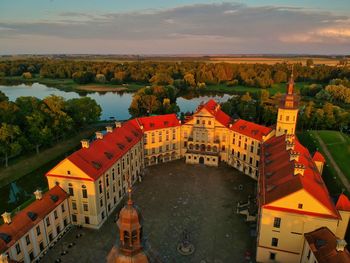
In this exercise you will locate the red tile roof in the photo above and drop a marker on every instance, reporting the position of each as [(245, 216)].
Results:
[(102, 153), (323, 245), (214, 108), (318, 157), (22, 223), (158, 122), (343, 203), (251, 129), (277, 179)]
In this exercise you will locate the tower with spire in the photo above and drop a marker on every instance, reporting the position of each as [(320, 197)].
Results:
[(130, 234), (288, 110)]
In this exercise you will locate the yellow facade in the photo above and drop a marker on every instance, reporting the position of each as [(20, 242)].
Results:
[(286, 121), (161, 145), (91, 201)]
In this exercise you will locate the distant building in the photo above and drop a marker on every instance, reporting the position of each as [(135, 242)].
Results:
[(26, 236)]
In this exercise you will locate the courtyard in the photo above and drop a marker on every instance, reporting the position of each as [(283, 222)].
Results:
[(175, 197)]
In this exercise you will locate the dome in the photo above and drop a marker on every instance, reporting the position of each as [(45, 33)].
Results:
[(129, 217)]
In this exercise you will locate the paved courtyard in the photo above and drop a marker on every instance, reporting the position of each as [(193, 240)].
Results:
[(174, 197)]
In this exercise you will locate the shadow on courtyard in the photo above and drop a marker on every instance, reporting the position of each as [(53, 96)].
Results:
[(174, 197)]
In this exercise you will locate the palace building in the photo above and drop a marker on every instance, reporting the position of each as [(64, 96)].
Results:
[(294, 208)]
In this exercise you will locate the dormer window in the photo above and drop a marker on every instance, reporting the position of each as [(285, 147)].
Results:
[(300, 206)]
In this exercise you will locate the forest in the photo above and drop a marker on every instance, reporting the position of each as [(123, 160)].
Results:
[(29, 124)]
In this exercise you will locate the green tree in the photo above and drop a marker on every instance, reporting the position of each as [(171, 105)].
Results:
[(83, 111), (8, 138)]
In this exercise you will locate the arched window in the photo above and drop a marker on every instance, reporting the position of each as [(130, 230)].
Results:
[(70, 189), (126, 237)]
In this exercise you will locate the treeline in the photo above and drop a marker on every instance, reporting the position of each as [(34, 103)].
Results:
[(29, 123), (182, 75), (263, 109)]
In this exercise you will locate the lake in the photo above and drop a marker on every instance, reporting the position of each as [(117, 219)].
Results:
[(113, 104)]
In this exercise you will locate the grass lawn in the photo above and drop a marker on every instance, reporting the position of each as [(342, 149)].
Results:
[(340, 151), (281, 88), (70, 85), (27, 164), (338, 145)]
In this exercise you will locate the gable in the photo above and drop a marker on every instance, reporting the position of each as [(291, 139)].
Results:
[(61, 170), (310, 204)]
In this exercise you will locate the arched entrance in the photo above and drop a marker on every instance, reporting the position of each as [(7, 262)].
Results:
[(201, 160)]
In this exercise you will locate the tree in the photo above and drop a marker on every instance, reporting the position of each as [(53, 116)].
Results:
[(309, 62), (161, 78), (9, 145), (83, 111), (190, 80), (27, 75), (100, 78), (83, 77)]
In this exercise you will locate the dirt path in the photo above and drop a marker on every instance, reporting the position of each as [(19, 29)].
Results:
[(341, 175)]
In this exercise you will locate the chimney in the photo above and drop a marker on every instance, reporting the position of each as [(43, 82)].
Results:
[(290, 146), (99, 135), (341, 244), (7, 218), (38, 194), (109, 128), (118, 124), (217, 107), (230, 125), (294, 156), (85, 143), (4, 258), (299, 169)]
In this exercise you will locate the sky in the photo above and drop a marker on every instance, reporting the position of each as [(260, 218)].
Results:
[(174, 27)]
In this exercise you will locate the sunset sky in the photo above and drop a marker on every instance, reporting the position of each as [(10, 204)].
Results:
[(175, 27)]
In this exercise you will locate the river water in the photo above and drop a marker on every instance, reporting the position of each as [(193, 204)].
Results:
[(113, 104)]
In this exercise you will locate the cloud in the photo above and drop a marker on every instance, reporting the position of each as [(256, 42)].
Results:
[(199, 28)]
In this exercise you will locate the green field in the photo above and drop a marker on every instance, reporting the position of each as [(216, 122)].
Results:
[(67, 84), (223, 88), (338, 145)]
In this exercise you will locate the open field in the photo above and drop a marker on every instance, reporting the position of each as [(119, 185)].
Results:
[(70, 85), (274, 60), (338, 144), (173, 197)]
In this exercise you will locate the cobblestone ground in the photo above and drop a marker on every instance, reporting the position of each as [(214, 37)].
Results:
[(174, 197)]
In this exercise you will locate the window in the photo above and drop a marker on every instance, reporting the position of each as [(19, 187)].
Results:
[(113, 175), (251, 160), (223, 148), (101, 202), (58, 229), (252, 148), (203, 122), (277, 222), (65, 223), (48, 221), (68, 172), (272, 256), (209, 122), (107, 180), (85, 207), (87, 220), (245, 146), (287, 118), (308, 254), (100, 186), (41, 245), (274, 242), (70, 190), (31, 256), (55, 214), (74, 218), (63, 208), (50, 237), (27, 239), (38, 231), (18, 248), (197, 121), (74, 205), (174, 135), (300, 206)]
